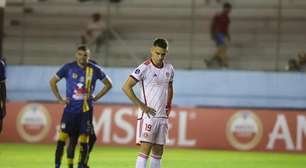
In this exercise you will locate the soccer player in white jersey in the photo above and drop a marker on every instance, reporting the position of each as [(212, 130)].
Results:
[(155, 77)]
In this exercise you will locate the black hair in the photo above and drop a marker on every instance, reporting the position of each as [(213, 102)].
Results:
[(96, 16), (227, 5), (83, 48), (160, 42)]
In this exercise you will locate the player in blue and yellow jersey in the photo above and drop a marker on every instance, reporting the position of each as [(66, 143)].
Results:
[(81, 76), (2, 92), (73, 141)]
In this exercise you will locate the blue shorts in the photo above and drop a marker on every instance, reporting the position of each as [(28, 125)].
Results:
[(219, 39), (75, 124)]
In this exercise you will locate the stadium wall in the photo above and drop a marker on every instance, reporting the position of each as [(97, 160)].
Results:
[(192, 88), (226, 110)]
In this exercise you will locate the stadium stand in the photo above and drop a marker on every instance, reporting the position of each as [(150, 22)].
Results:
[(263, 36)]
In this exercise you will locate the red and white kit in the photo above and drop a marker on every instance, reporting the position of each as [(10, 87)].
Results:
[(154, 83)]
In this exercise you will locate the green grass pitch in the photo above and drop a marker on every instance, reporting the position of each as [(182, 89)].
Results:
[(42, 156)]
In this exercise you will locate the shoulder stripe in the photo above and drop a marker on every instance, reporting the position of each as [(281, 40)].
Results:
[(147, 62)]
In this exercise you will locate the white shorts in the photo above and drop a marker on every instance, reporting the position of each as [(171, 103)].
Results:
[(152, 130)]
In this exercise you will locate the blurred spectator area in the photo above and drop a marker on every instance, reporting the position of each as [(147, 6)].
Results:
[(265, 33)]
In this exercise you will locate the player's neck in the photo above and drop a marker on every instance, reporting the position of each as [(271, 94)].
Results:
[(157, 63), (224, 13), (81, 65)]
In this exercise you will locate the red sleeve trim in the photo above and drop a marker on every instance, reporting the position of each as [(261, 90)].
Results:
[(147, 62)]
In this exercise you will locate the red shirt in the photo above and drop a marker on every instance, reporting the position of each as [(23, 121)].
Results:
[(221, 23)]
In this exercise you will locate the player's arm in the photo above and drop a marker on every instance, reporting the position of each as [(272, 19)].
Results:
[(213, 27), (228, 34), (54, 88), (128, 90), (107, 86), (3, 98), (169, 98), (227, 30)]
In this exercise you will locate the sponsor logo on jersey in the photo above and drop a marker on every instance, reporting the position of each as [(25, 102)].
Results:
[(167, 74), (79, 92), (82, 79), (74, 75), (137, 71)]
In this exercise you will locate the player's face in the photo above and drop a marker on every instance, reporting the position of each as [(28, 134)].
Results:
[(227, 10), (82, 57), (158, 54)]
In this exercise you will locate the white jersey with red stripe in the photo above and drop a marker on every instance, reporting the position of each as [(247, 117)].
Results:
[(154, 83)]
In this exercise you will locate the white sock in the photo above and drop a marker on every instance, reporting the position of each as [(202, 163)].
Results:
[(141, 161), (155, 161)]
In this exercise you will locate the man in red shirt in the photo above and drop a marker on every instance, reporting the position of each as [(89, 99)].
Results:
[(220, 34)]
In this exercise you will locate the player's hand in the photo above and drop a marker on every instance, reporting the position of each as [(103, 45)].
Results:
[(94, 98), (168, 109), (148, 110), (64, 101), (229, 38)]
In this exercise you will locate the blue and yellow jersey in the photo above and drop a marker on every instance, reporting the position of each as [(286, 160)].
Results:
[(80, 85)]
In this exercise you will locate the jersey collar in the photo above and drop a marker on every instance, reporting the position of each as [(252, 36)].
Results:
[(159, 67)]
